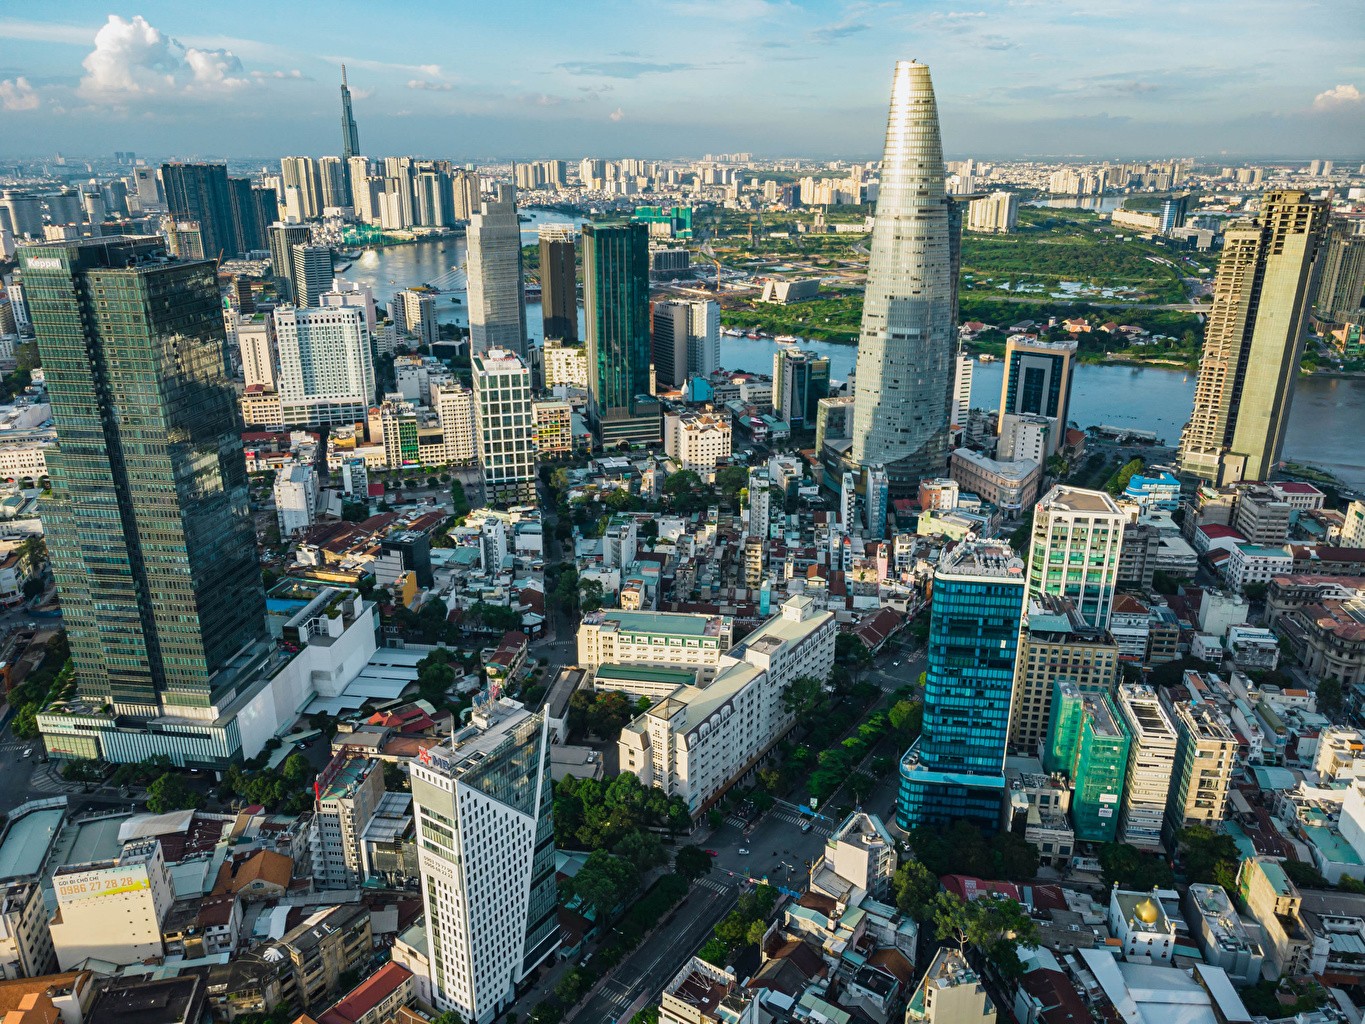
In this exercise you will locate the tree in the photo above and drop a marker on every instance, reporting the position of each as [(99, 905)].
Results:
[(459, 502), (994, 924), (1133, 869), (449, 1017), (170, 793), (1329, 696), (850, 650), (644, 850), (354, 511), (1208, 856), (692, 862), (1305, 876), (604, 882), (915, 889), (907, 718), (803, 697), (591, 595)]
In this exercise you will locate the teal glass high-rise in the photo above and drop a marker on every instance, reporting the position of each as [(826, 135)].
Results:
[(616, 310), (956, 769), (149, 526)]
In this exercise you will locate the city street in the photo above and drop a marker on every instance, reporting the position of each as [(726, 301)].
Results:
[(778, 853)]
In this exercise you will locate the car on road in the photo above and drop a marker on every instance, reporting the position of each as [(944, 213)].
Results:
[(743, 852), (28, 753), (806, 827), (896, 663), (712, 853)]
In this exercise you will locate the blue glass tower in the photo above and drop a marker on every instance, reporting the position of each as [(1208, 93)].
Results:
[(956, 769)]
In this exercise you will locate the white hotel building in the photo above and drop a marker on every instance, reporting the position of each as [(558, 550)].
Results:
[(659, 639), (486, 855), (699, 740), (326, 370)]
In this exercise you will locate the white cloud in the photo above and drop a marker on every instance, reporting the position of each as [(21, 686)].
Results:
[(134, 58), (617, 114), (424, 85), (44, 32), (17, 94), (1337, 96)]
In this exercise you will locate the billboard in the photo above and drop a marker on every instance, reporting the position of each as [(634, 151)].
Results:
[(113, 881)]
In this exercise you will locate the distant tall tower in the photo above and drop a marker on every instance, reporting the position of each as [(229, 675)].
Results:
[(497, 304), (350, 137), (559, 283), (1254, 340), (903, 396)]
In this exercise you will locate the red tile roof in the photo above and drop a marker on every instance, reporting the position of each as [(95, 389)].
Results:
[(367, 995)]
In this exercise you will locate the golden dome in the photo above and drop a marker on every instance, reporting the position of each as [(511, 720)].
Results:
[(1147, 911)]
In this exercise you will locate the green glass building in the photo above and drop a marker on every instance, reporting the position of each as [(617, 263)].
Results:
[(616, 308), (149, 527), (1088, 742)]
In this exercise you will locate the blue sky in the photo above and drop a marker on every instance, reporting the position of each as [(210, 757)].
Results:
[(683, 77)]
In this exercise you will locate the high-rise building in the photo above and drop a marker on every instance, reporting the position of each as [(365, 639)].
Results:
[(482, 803), (302, 186), (1151, 758), (503, 424), (259, 354), (616, 307), (800, 380), (963, 368), (956, 769), (283, 237), (335, 182), (1037, 382), (686, 340), (1205, 755), (311, 274), (497, 304), (345, 796), (199, 192), (1056, 644), (1074, 550), (25, 938), (1341, 287), (995, 214), (464, 187), (149, 526), (760, 504), (876, 501), (1088, 744), (904, 379), (1253, 340), (112, 909), (326, 368), (248, 223), (350, 136), (151, 197), (558, 283)]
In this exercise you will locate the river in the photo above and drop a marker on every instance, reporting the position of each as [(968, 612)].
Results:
[(440, 263), (1325, 423)]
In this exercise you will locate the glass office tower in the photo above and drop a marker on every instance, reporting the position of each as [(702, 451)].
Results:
[(616, 305), (956, 769), (149, 526)]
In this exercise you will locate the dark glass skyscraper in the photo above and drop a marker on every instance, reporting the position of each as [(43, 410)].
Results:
[(559, 284), (616, 307), (200, 192), (956, 769), (149, 527), (350, 136)]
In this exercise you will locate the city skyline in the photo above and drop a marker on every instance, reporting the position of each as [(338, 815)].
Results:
[(763, 76)]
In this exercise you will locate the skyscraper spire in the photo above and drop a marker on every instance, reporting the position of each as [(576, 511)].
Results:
[(350, 138), (903, 398)]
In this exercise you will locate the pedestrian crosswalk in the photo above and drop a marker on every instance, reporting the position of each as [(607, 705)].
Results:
[(737, 821), (714, 884), (796, 819)]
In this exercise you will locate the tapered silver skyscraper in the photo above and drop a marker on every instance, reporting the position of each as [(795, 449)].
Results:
[(903, 398)]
